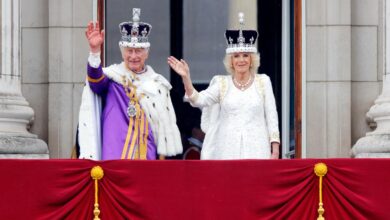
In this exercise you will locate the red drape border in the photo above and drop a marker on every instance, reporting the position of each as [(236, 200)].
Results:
[(247, 189)]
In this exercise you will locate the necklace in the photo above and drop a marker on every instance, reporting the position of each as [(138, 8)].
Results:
[(242, 86)]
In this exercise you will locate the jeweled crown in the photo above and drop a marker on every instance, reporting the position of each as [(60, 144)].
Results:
[(135, 33), (241, 40)]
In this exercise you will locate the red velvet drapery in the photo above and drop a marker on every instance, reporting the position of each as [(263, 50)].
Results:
[(247, 189)]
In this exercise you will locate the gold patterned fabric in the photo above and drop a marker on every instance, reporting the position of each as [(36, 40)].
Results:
[(135, 146)]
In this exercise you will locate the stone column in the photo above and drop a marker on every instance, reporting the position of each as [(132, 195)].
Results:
[(376, 144), (328, 78), (15, 112)]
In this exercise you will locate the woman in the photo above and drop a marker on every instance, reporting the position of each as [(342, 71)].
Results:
[(239, 114)]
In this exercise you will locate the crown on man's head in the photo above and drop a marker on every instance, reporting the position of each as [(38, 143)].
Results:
[(241, 40), (135, 33)]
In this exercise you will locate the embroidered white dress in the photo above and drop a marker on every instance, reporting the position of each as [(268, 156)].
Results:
[(238, 124)]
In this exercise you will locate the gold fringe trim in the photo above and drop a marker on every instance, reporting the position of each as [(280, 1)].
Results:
[(92, 80), (96, 174), (320, 169)]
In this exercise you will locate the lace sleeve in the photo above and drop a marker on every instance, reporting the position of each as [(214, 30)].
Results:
[(271, 113), (206, 97)]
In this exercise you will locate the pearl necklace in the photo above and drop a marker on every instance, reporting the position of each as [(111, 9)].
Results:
[(242, 86)]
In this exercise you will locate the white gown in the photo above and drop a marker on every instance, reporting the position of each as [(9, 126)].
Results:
[(238, 124)]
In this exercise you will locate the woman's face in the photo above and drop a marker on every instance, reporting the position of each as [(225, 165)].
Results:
[(241, 62)]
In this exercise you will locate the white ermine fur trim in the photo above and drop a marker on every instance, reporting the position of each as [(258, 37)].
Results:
[(89, 134)]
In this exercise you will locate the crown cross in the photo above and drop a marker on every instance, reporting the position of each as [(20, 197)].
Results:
[(136, 14), (241, 19), (144, 32), (134, 33), (124, 31), (241, 39)]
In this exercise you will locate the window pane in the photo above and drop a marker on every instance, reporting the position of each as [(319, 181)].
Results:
[(204, 25)]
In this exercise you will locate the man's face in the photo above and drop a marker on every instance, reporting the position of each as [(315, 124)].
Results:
[(135, 58)]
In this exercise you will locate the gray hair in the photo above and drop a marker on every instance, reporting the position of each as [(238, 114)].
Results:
[(255, 63), (122, 48)]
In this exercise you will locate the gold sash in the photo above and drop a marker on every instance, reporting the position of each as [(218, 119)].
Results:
[(135, 146)]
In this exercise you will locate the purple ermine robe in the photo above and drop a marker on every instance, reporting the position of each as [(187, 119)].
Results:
[(115, 120)]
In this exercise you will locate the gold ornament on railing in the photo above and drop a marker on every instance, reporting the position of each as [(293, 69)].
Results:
[(96, 174), (320, 169)]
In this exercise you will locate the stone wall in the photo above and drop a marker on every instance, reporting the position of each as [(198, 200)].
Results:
[(34, 63), (54, 52), (68, 51), (367, 61), (344, 69)]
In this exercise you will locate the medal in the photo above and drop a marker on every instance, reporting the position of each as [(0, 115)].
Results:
[(131, 110), (133, 107)]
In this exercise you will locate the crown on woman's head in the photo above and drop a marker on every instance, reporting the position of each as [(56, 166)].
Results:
[(135, 33), (241, 40)]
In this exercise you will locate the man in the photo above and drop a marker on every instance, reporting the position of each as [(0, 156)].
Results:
[(131, 101)]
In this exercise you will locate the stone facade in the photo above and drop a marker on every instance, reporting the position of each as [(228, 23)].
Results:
[(15, 112), (344, 69), (376, 144), (53, 69)]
